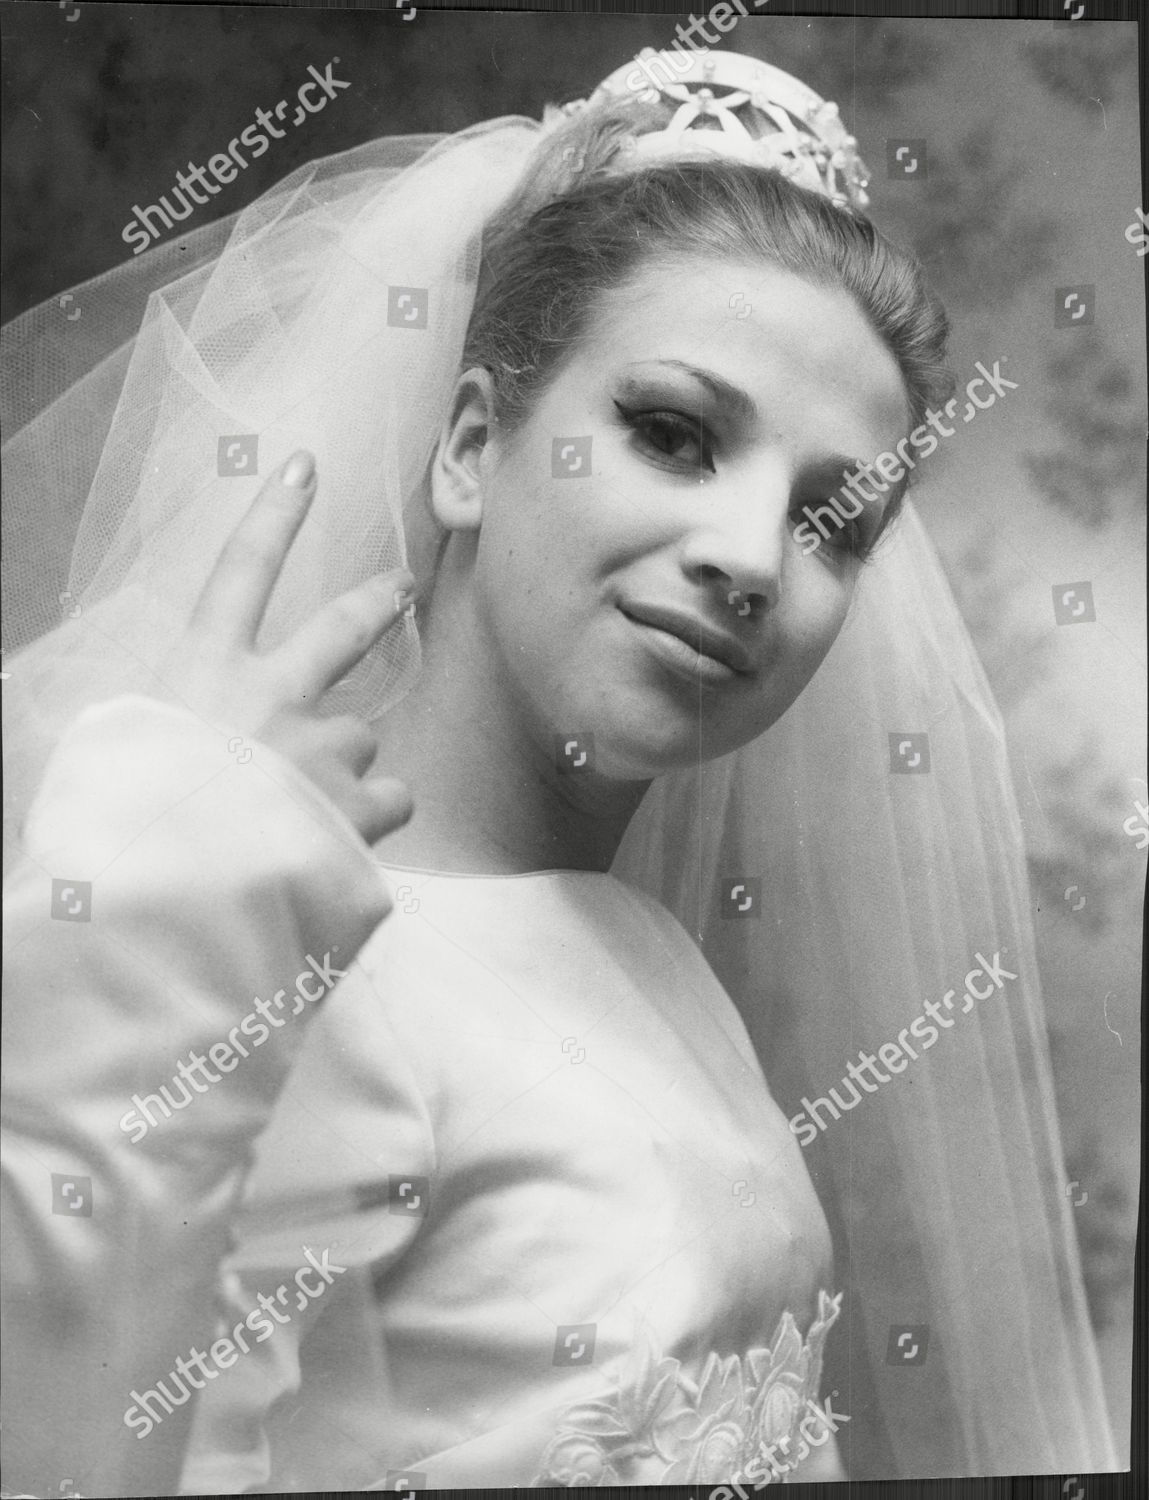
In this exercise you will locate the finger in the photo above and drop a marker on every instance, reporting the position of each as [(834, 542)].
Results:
[(353, 741), (332, 641), (334, 752), (236, 593), (380, 805)]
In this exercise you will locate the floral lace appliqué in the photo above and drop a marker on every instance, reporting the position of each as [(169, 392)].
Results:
[(657, 1426)]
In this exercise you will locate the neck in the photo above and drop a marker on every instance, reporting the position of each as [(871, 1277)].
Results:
[(489, 797)]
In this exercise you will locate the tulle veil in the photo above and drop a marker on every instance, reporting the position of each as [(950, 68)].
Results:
[(877, 885)]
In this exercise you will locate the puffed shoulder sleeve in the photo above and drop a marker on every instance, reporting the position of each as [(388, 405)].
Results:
[(179, 906)]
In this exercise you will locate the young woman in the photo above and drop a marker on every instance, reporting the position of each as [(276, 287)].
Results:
[(495, 1191)]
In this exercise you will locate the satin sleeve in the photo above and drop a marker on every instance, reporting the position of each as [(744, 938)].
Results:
[(334, 1214), (164, 885)]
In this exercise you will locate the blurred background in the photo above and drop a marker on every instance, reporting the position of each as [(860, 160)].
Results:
[(1029, 181)]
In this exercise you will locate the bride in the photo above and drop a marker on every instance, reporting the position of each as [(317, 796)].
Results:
[(467, 1162)]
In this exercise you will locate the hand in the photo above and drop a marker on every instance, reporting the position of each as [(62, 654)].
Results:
[(275, 695)]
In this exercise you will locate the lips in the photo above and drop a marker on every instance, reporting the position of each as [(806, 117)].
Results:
[(706, 639)]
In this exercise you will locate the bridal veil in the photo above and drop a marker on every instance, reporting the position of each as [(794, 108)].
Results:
[(330, 315)]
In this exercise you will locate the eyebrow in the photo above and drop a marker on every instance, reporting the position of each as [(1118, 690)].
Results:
[(731, 397), (835, 468)]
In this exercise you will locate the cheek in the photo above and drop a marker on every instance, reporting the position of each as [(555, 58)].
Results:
[(547, 534), (809, 622), (518, 519), (534, 571), (826, 606), (819, 605)]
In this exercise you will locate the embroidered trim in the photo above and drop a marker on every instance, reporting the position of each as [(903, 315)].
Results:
[(700, 1433)]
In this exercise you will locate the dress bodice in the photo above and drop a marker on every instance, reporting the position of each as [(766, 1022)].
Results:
[(575, 1238)]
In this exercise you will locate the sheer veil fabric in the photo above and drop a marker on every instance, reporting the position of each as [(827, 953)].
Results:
[(877, 891)]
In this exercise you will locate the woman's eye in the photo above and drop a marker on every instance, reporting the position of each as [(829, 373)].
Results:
[(672, 435), (853, 540), (841, 538)]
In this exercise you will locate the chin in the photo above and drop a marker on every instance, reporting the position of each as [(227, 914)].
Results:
[(641, 751), (643, 730)]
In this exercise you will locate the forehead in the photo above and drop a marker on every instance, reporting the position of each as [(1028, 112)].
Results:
[(806, 355)]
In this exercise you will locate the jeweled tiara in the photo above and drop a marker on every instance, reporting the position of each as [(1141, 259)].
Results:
[(737, 106)]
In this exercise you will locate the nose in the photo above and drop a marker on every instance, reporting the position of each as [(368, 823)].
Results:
[(740, 540)]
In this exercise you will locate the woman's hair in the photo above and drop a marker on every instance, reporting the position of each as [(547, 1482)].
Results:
[(573, 230)]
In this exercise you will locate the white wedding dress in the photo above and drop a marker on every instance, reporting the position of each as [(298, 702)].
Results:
[(573, 1098), (524, 1129)]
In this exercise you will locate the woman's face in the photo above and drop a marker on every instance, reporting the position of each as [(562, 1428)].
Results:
[(636, 575)]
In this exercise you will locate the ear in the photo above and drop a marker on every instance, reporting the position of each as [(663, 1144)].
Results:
[(464, 443)]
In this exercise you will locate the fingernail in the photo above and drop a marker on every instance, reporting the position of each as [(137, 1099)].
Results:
[(299, 470), (405, 594)]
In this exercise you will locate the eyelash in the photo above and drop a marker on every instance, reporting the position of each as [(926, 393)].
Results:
[(848, 542), (851, 540), (643, 422)]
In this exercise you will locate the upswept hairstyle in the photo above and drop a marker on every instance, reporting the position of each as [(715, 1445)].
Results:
[(578, 226)]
